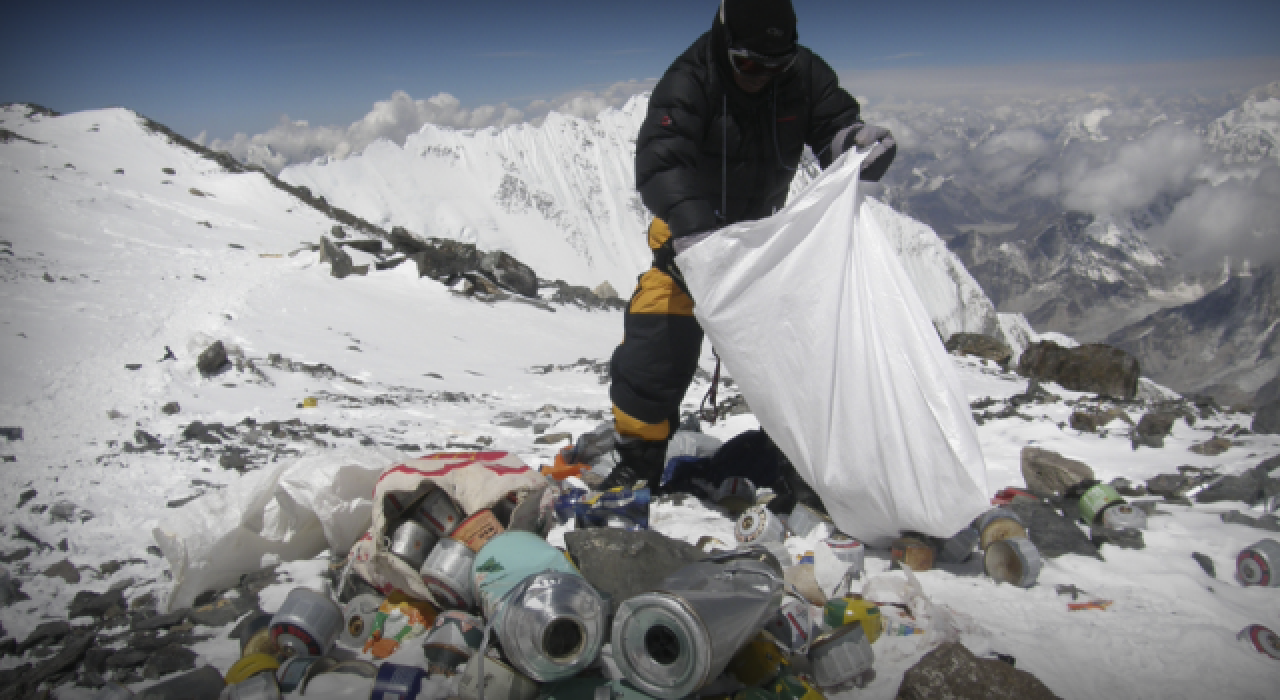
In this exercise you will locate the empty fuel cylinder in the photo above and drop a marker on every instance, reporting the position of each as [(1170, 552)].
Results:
[(1256, 565)]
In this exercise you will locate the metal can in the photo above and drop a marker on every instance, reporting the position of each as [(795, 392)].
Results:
[(290, 674), (848, 610), (1256, 565), (1014, 560), (959, 547), (839, 659), (998, 524), (477, 530), (261, 686), (735, 494), (847, 549), (501, 682), (447, 574), (1095, 500), (358, 619), (251, 665), (1123, 516), (307, 623), (396, 504), (1261, 639), (759, 525), (758, 661), (453, 638), (804, 520), (411, 542), (254, 633), (912, 552), (792, 625), (438, 512), (397, 682)]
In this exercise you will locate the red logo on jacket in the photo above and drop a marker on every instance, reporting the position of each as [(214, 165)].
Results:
[(666, 120)]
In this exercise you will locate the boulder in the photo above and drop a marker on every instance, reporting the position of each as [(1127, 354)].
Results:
[(339, 260), (979, 345), (221, 612), (64, 570), (171, 408), (65, 660), (1050, 474), (1124, 538), (1267, 419), (1051, 533), (1096, 368), (96, 604), (213, 360), (1212, 447), (1247, 487), (1169, 485), (1152, 429), (45, 632), (510, 273), (169, 659), (604, 290), (952, 672), (1205, 563), (623, 563), (204, 683)]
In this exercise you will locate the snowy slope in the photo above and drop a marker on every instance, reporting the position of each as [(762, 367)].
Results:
[(1250, 134), (416, 368)]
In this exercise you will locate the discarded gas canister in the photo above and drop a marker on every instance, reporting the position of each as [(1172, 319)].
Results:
[(307, 623), (358, 619), (549, 620), (1261, 639), (1014, 560), (397, 682), (998, 524), (790, 687), (847, 550), (1095, 500), (912, 552), (1259, 564), (293, 670), (758, 661), (255, 635), (477, 530), (453, 639), (792, 625), (673, 641), (411, 542), (848, 610), (438, 512), (1123, 516), (804, 520), (501, 682), (759, 525), (251, 665), (736, 494), (260, 686), (447, 573), (839, 659), (959, 547)]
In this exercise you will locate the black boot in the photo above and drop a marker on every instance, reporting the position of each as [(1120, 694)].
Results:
[(637, 460)]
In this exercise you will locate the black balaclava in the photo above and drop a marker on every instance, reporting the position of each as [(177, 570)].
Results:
[(763, 26)]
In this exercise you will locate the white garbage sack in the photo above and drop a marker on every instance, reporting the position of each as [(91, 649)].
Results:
[(293, 511), (820, 326)]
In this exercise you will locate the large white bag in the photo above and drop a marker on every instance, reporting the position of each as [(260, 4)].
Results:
[(817, 321)]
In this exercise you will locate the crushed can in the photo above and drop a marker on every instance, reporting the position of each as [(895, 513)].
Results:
[(849, 610), (1123, 516), (959, 547), (673, 641), (411, 542), (792, 626), (438, 512), (840, 659), (847, 549), (1095, 500), (358, 619), (397, 682), (912, 552), (998, 524), (759, 661), (307, 623), (260, 686), (478, 529), (735, 494), (501, 682), (1262, 640), (548, 619), (290, 674), (451, 641), (1256, 565), (1014, 560), (791, 687), (804, 520), (447, 574), (759, 525)]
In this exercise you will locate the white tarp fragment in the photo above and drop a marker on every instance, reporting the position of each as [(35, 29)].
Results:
[(820, 325)]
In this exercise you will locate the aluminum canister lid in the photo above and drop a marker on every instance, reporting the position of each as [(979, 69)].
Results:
[(1123, 516), (553, 627), (447, 574), (759, 525), (840, 658), (1014, 560), (661, 646), (1259, 564)]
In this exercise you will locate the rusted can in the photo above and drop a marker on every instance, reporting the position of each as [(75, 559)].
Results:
[(411, 542), (759, 525), (1256, 565), (452, 640), (998, 524), (735, 494), (839, 659), (477, 530), (804, 520), (438, 512), (447, 574), (912, 552), (792, 626), (1014, 560), (358, 618), (307, 623), (1262, 639)]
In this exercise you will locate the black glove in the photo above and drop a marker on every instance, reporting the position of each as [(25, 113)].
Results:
[(863, 137)]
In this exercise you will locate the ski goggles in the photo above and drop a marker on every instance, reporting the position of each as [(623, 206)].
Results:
[(748, 62)]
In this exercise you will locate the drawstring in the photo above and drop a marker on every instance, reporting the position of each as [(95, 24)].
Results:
[(711, 392)]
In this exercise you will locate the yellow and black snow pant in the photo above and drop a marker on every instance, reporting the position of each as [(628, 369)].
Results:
[(652, 369)]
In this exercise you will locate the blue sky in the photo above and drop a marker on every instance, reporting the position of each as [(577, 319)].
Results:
[(237, 67)]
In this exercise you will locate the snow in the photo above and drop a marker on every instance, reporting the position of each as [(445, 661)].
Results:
[(124, 252)]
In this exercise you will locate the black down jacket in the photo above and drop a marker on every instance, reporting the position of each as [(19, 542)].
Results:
[(703, 131)]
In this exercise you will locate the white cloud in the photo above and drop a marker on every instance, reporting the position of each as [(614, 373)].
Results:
[(1163, 160), (1238, 218)]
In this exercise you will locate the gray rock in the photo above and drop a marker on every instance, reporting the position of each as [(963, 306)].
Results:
[(130, 658), (979, 345), (339, 260), (551, 438), (1265, 522), (1124, 487), (1169, 485), (98, 605), (62, 511), (1267, 419), (1152, 429), (952, 672), (372, 246), (11, 433), (604, 290), (45, 632), (1205, 563), (1124, 538), (1212, 447), (337, 232), (510, 273), (622, 563), (157, 622), (66, 659), (1097, 368), (204, 683), (1051, 533), (1050, 474), (170, 659), (1247, 487), (147, 441), (171, 408), (221, 612), (64, 570), (213, 360)]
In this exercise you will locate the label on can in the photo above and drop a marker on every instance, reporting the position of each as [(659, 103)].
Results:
[(477, 530), (1093, 501), (759, 524)]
